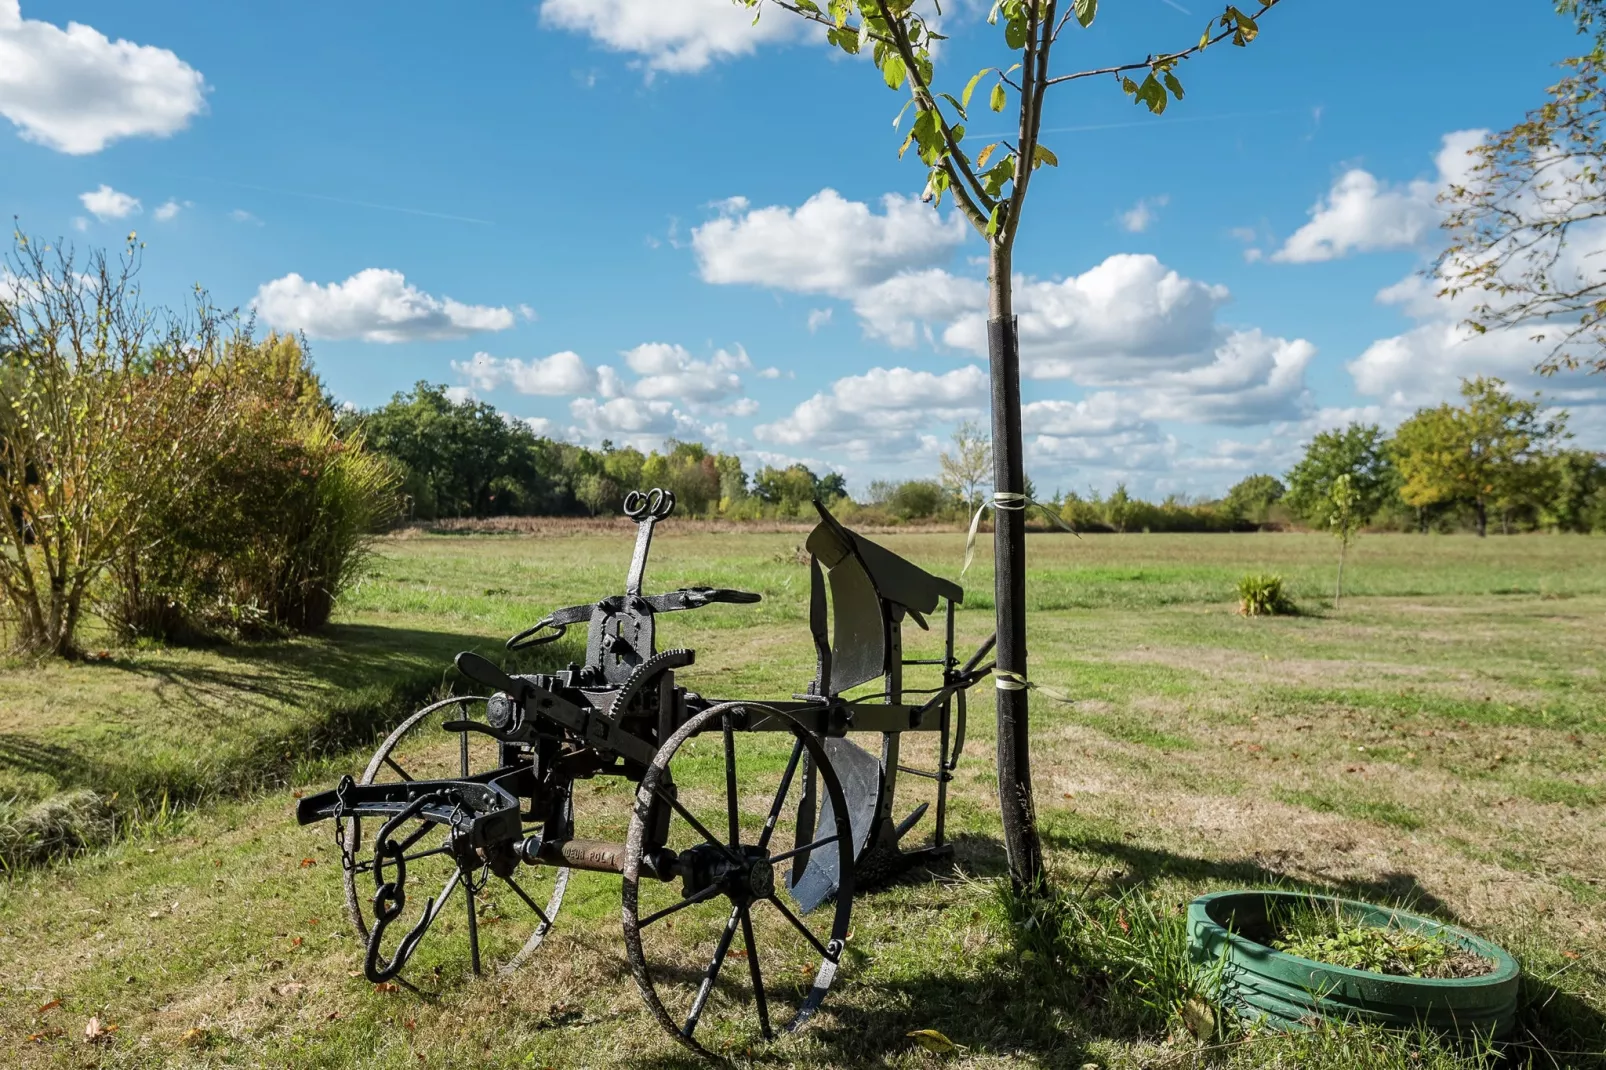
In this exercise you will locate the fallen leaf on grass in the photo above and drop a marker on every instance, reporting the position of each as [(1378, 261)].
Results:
[(53, 1004), (933, 1041), (308, 863), (295, 942), (194, 1037), (1565, 954), (387, 986), (96, 1033)]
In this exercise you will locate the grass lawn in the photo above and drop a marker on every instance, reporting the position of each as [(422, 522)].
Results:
[(1436, 742)]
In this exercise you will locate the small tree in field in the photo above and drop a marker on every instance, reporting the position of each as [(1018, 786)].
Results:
[(970, 467), (1346, 520), (104, 413), (989, 187)]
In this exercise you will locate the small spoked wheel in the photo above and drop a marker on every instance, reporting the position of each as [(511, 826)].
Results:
[(722, 952), (499, 921)]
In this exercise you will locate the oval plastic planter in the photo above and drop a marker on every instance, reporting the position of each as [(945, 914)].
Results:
[(1287, 992)]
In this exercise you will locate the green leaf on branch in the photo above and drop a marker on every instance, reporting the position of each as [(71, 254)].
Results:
[(998, 99), (960, 108), (970, 87), (1172, 84), (1085, 10), (1040, 156), (1152, 93), (809, 5), (992, 183), (897, 120), (846, 40), (894, 72), (1015, 33)]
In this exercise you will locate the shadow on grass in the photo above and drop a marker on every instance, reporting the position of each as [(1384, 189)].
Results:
[(251, 716)]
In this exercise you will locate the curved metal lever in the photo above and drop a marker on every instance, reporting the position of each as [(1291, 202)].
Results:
[(483, 670)]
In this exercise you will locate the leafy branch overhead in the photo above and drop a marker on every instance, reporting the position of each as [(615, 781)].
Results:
[(989, 184)]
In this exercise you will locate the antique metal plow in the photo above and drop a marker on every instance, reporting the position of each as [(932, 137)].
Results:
[(752, 817)]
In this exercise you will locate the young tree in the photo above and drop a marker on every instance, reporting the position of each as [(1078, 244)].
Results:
[(1345, 520), (1511, 220), (1490, 452), (969, 468), (989, 187), (107, 413), (1359, 451)]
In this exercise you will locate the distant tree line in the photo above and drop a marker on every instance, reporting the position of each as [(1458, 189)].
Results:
[(1494, 459), (467, 459)]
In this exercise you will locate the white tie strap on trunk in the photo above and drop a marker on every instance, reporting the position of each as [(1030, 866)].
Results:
[(1010, 500)]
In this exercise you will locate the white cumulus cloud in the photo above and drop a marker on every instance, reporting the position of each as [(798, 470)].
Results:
[(169, 210), (828, 244), (76, 91), (559, 375), (106, 203), (1361, 213), (673, 36), (882, 414), (374, 305), (670, 372)]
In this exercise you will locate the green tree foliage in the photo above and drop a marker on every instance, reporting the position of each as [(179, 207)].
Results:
[(969, 467), (1577, 500), (1251, 499), (1493, 452), (1359, 451), (794, 487), (1512, 218), (465, 458)]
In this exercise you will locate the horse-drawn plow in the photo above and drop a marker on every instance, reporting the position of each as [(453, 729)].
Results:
[(752, 823)]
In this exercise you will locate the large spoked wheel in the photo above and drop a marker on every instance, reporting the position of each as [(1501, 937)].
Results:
[(500, 919), (741, 810)]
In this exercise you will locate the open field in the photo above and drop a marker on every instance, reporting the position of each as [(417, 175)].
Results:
[(1439, 741)]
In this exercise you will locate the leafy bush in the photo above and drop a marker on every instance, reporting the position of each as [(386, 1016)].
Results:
[(1262, 596), (275, 527)]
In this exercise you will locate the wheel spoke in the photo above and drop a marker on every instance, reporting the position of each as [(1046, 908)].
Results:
[(691, 820), (399, 770), (730, 783), (784, 855), (800, 927), (462, 751), (696, 897), (706, 989), (780, 796), (757, 974), (546, 922)]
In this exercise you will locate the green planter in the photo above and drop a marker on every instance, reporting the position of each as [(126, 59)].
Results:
[(1288, 992)]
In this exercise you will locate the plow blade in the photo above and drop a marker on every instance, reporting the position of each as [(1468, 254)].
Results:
[(860, 774)]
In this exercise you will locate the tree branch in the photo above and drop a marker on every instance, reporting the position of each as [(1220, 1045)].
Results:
[(1168, 58)]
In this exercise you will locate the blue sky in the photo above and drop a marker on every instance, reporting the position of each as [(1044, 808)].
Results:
[(633, 218)]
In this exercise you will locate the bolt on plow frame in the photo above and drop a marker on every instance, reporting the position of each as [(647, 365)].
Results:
[(752, 822)]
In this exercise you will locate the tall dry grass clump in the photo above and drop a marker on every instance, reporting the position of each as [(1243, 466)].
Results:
[(277, 524)]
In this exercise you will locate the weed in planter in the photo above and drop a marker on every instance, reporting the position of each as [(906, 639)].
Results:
[(1327, 935), (1262, 596)]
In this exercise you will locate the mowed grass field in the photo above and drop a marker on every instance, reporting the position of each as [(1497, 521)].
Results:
[(1438, 741)]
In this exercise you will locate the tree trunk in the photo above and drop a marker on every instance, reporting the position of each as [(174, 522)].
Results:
[(1482, 512), (1338, 593), (1018, 812)]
